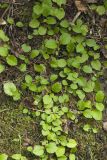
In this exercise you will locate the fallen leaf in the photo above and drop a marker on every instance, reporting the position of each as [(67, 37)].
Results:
[(81, 6)]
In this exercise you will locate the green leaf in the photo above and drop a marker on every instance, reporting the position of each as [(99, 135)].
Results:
[(51, 147), (87, 69), (9, 88), (50, 20), (38, 9), (80, 48), (34, 53), (19, 24), (72, 157), (59, 13), (47, 99), (38, 150), (16, 156), (80, 94), (64, 23), (34, 23), (56, 87), (71, 143), (3, 157), (11, 60), (26, 48), (53, 77), (51, 44), (89, 87), (87, 113), (39, 68), (99, 96), (28, 79), (22, 67), (3, 37), (59, 2), (62, 158), (87, 127), (90, 42), (100, 10), (3, 51), (60, 151), (99, 106), (97, 115), (65, 38), (96, 65), (2, 68), (42, 30), (62, 63)]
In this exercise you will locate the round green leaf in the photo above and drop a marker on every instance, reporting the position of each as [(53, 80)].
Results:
[(11, 60), (51, 44), (47, 99), (3, 51), (56, 87), (99, 106), (42, 30), (38, 150), (87, 69), (96, 65), (60, 151), (34, 23), (72, 157), (51, 147), (9, 88), (97, 115), (71, 143), (62, 63), (26, 48), (65, 38), (99, 96)]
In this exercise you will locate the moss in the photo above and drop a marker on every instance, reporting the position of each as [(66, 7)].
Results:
[(16, 130)]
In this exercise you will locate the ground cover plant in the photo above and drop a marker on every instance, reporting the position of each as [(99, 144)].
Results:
[(52, 72)]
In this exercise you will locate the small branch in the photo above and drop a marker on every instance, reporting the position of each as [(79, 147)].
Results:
[(76, 16)]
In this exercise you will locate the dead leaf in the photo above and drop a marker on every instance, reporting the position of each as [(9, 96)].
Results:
[(81, 6), (2, 22)]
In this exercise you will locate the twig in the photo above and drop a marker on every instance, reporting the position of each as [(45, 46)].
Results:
[(76, 16)]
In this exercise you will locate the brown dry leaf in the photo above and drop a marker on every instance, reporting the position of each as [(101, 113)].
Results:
[(81, 6)]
